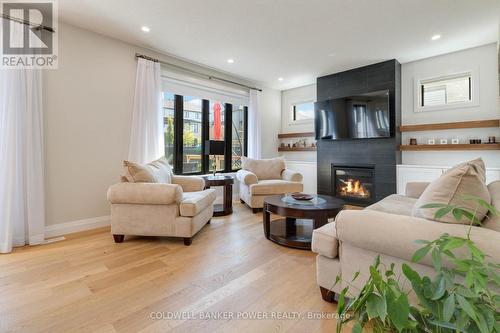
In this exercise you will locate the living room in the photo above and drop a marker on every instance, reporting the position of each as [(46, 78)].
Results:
[(243, 166)]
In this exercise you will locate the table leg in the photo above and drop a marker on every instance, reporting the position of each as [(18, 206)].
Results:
[(228, 199), (319, 222), (266, 219), (291, 226)]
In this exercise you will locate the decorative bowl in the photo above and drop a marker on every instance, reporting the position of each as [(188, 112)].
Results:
[(302, 196)]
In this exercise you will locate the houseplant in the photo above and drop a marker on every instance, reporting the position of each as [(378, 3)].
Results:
[(460, 298)]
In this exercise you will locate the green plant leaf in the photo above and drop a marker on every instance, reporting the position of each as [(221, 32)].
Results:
[(355, 276), (439, 288), (399, 310), (443, 211), (434, 205), (376, 307), (448, 307), (481, 323), (457, 214), (443, 324), (436, 260), (357, 328), (454, 243), (410, 274), (466, 306), (469, 278), (421, 253)]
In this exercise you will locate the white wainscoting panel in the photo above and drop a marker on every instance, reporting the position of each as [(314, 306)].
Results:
[(427, 173), (309, 172)]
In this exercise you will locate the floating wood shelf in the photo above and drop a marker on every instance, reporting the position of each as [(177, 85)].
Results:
[(296, 135), (482, 146), (446, 126), (297, 149)]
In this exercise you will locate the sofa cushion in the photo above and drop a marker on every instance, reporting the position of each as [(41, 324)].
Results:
[(493, 221), (275, 186), (158, 171), (464, 179), (395, 204), (264, 169), (325, 242), (195, 202)]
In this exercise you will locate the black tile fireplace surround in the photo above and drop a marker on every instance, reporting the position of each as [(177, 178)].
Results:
[(381, 155)]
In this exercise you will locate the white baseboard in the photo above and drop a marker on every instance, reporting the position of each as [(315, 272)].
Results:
[(76, 226)]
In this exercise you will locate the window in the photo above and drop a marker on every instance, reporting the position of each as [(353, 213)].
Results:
[(169, 125), (449, 91), (238, 135), (191, 139), (303, 111), (191, 121)]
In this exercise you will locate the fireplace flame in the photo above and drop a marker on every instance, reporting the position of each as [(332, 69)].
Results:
[(354, 188)]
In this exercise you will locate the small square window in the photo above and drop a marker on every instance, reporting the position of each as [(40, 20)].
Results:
[(456, 89), (303, 111)]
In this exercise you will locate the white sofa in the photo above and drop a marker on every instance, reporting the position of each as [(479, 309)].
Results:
[(388, 229), (265, 177)]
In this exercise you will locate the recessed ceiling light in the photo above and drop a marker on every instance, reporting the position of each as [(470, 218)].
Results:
[(145, 29), (230, 61), (331, 54), (436, 37), (280, 79)]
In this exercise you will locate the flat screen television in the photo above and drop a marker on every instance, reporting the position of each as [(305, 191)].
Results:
[(362, 116)]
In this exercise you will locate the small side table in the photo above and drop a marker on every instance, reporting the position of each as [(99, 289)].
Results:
[(227, 182)]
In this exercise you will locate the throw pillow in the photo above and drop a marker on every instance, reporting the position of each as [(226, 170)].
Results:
[(492, 221), (464, 179), (264, 169), (158, 171)]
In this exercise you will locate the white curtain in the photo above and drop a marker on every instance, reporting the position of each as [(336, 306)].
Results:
[(254, 125), (22, 212), (147, 138)]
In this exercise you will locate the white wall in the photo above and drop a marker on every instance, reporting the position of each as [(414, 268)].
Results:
[(303, 162), (482, 59), (269, 106), (87, 119)]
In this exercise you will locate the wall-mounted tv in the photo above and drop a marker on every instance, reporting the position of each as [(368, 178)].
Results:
[(362, 116)]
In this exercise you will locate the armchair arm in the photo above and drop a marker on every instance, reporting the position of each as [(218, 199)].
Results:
[(291, 176), (246, 177), (144, 193), (189, 183), (415, 189), (395, 235)]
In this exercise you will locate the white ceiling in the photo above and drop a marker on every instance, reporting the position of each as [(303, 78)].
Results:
[(298, 40)]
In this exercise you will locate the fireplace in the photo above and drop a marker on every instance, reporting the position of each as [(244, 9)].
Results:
[(355, 184)]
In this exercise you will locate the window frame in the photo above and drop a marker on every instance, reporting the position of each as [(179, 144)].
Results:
[(292, 120), (473, 91), (179, 132)]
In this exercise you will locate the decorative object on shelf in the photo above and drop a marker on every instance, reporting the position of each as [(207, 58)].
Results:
[(443, 141), (214, 147), (313, 145), (413, 141), (492, 139), (455, 141), (461, 146), (282, 145), (475, 141), (431, 142)]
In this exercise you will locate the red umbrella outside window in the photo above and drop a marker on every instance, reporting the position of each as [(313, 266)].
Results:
[(217, 122)]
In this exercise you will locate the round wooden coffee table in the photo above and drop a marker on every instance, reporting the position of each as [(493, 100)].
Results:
[(300, 219)]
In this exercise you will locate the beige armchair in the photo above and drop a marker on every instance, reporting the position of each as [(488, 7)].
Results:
[(261, 178), (177, 209)]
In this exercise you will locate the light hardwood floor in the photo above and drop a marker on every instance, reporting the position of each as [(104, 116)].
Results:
[(87, 283)]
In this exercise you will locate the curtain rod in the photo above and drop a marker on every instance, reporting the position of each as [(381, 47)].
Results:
[(210, 77), (28, 23)]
